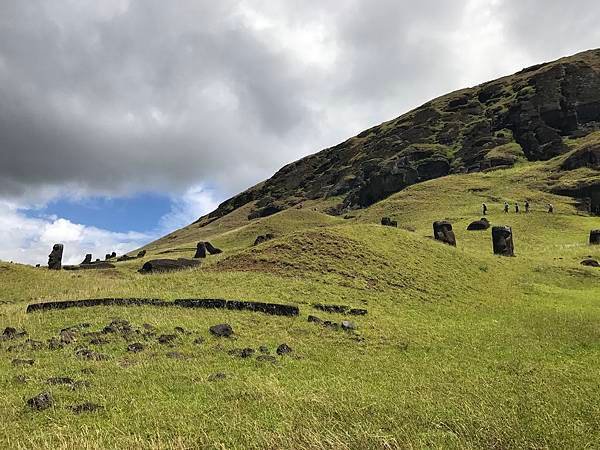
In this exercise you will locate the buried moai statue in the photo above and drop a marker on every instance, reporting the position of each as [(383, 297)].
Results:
[(595, 237), (502, 241), (212, 249), (88, 259), (442, 231), (387, 222), (55, 257), (200, 250)]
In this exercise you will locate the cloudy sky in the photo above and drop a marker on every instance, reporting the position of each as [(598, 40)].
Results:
[(121, 120)]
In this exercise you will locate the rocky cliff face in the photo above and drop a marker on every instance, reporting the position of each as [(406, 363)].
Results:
[(528, 115)]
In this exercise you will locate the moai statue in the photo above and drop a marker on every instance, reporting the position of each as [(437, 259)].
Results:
[(141, 253), (200, 250), (107, 256), (113, 255), (55, 257), (442, 231), (88, 259), (595, 237), (502, 241), (211, 249)]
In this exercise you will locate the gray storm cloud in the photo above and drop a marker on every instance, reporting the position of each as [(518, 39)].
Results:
[(119, 96)]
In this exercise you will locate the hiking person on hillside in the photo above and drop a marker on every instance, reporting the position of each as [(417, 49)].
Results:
[(550, 208), (526, 206), (517, 208), (505, 207), (484, 208)]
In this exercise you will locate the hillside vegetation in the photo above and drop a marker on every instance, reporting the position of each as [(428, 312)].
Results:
[(459, 349)]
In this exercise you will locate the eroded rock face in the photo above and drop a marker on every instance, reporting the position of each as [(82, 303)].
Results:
[(595, 237), (442, 231), (502, 240), (55, 257)]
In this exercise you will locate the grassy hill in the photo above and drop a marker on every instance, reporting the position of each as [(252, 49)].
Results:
[(459, 349)]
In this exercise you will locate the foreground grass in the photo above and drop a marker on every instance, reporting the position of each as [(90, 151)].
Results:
[(460, 349)]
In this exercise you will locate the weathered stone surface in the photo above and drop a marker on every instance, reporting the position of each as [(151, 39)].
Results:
[(284, 349), (200, 250), (221, 330), (590, 263), (212, 249), (267, 359), (595, 237), (478, 225), (87, 259), (442, 231), (502, 240), (339, 309), (168, 265), (55, 257), (41, 401)]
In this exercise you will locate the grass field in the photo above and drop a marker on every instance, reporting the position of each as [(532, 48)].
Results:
[(460, 348)]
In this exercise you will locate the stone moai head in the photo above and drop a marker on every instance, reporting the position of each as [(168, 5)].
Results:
[(88, 259), (502, 241), (141, 253), (595, 237), (442, 231), (200, 250), (55, 257)]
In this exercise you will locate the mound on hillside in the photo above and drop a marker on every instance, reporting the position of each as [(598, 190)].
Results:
[(365, 256)]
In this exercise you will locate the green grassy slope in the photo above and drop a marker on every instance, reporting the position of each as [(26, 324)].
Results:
[(460, 349)]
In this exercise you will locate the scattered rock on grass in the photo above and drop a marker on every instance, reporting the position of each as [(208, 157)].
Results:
[(284, 349), (55, 344), (199, 340), (136, 347), (221, 330), (166, 338), (264, 349), (41, 401)]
